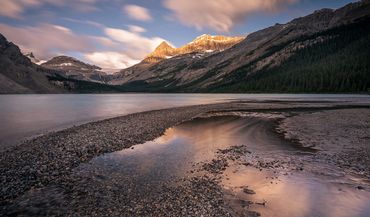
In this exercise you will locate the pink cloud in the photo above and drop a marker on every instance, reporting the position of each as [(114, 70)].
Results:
[(15, 8), (137, 29), (138, 44), (219, 15), (116, 49), (46, 40), (124, 48), (110, 60), (137, 12)]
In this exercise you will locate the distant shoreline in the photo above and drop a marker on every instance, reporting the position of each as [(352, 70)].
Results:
[(128, 92)]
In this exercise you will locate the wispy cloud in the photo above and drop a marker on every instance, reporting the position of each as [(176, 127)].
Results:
[(16, 8), (113, 49), (46, 39), (124, 48), (110, 60), (133, 41), (137, 29), (219, 15), (88, 22), (137, 12)]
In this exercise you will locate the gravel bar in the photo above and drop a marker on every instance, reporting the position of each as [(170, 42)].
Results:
[(49, 160)]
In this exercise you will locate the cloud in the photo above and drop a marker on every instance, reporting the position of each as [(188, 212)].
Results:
[(137, 12), (15, 8), (104, 42), (111, 61), (137, 29), (88, 22), (46, 40), (124, 48), (115, 49), (139, 44), (219, 15)]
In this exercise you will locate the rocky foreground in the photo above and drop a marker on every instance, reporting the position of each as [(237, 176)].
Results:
[(37, 176), (342, 136)]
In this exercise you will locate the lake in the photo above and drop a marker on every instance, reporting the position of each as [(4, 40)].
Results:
[(24, 116)]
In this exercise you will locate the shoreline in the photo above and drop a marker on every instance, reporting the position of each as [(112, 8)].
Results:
[(49, 160)]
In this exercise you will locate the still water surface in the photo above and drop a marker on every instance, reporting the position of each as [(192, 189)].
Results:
[(329, 193), (23, 116)]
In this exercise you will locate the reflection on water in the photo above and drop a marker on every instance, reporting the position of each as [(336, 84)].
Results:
[(297, 194), (171, 154), (301, 194), (28, 115)]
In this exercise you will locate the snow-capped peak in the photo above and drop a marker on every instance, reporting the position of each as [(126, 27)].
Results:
[(33, 59), (203, 43)]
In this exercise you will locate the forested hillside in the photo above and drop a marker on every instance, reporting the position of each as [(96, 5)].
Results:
[(341, 63)]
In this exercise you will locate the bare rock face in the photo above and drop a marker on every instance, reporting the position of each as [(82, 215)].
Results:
[(11, 51), (18, 74), (33, 58), (166, 58), (65, 62), (75, 69), (209, 43), (203, 43), (163, 51)]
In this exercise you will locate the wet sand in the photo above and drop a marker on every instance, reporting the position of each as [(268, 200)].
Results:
[(185, 172)]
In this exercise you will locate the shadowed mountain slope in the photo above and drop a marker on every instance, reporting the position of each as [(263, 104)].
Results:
[(268, 59)]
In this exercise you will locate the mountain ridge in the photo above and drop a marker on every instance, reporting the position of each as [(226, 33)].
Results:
[(202, 43), (202, 46), (19, 75), (33, 58), (73, 68), (262, 50)]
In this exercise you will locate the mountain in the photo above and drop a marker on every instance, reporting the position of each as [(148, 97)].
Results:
[(200, 47), (326, 51), (203, 43), (209, 43), (33, 59), (75, 69), (163, 51), (18, 74)]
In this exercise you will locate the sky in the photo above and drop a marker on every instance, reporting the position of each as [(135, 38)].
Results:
[(116, 34)]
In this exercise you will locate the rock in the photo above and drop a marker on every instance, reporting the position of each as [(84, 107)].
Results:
[(248, 191), (250, 213), (263, 203)]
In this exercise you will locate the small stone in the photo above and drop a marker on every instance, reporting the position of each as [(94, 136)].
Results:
[(248, 191)]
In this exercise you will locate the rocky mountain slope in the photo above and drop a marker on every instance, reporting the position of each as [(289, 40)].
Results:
[(327, 33), (18, 74), (33, 59), (201, 44), (163, 51), (75, 69), (200, 47)]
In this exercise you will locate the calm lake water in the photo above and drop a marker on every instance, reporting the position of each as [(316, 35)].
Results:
[(23, 116)]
